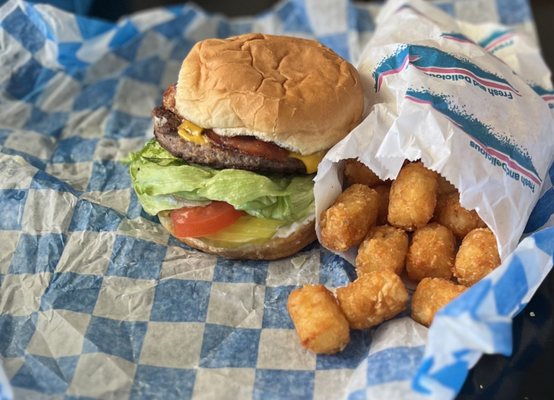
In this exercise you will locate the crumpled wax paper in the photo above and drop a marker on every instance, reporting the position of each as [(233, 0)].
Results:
[(440, 96), (441, 92), (96, 300)]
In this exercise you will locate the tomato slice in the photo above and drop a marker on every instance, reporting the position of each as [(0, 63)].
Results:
[(204, 220)]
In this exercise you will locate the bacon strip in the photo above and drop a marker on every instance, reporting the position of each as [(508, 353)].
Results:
[(168, 98), (249, 145)]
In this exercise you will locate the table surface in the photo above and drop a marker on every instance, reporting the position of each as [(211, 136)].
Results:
[(526, 375)]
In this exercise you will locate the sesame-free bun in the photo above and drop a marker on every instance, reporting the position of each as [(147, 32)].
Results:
[(271, 250), (294, 92)]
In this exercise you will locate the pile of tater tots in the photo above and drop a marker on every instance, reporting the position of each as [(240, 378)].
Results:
[(412, 229)]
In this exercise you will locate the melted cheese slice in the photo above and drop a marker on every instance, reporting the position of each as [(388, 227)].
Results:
[(193, 133), (311, 161)]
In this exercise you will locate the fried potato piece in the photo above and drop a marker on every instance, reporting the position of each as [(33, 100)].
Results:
[(430, 296), (451, 214), (444, 186), (372, 298), (477, 256), (346, 223), (413, 196), (384, 247), (318, 319), (384, 191), (357, 172), (431, 253)]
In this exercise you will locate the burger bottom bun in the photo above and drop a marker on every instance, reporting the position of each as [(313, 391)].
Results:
[(271, 250)]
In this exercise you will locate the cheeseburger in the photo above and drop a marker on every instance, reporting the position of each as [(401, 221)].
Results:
[(238, 139)]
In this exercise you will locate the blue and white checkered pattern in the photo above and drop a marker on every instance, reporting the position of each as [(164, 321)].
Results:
[(96, 300)]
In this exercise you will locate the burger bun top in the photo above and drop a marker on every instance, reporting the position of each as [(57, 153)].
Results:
[(293, 92)]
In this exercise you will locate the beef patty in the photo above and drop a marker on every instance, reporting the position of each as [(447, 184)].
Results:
[(166, 123)]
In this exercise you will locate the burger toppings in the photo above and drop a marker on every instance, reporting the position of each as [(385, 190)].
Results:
[(220, 173), (159, 177), (226, 208), (247, 230), (247, 145), (191, 133), (176, 141), (310, 161), (203, 220)]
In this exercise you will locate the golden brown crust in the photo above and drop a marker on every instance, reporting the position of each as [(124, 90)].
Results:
[(318, 319), (444, 186), (450, 213), (372, 298), (384, 191), (347, 221), (430, 296), (384, 247), (357, 172), (294, 92), (476, 257), (431, 253), (413, 196), (272, 250)]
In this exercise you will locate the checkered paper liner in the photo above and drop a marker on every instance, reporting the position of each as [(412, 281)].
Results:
[(98, 301)]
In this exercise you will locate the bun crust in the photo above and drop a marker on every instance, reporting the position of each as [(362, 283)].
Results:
[(271, 250), (294, 92)]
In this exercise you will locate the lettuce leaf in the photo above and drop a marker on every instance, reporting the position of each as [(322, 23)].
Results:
[(164, 182)]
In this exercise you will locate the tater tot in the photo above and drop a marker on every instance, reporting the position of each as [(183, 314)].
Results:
[(477, 256), (451, 214), (383, 191), (413, 196), (384, 247), (318, 319), (357, 172), (431, 253), (430, 296), (372, 298), (444, 186), (346, 223)]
